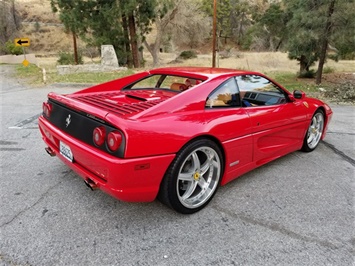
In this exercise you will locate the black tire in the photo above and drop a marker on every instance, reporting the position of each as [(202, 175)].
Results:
[(193, 177), (314, 132)]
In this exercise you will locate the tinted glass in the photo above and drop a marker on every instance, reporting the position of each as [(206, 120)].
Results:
[(256, 90), (226, 95), (175, 83)]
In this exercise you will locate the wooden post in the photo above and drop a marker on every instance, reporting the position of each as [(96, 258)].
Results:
[(214, 33), (75, 49)]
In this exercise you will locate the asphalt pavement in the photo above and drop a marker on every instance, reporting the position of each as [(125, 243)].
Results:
[(297, 210)]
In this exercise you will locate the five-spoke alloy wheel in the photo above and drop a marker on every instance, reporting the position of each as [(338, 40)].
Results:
[(314, 132), (193, 177)]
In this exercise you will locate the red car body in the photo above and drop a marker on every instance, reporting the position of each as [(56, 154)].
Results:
[(153, 124)]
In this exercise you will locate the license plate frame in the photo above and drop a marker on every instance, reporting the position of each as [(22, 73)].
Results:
[(65, 151)]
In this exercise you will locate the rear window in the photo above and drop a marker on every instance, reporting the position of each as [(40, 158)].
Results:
[(167, 82)]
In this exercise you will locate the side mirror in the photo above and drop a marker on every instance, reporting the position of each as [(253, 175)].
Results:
[(299, 94)]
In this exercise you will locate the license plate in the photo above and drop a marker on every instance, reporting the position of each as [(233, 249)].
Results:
[(65, 150)]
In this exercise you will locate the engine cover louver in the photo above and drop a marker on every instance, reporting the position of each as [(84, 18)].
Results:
[(107, 101)]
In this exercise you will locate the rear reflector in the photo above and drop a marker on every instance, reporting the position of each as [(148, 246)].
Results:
[(47, 108)]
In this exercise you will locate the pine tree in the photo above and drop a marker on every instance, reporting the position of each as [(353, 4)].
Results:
[(314, 26), (304, 31), (233, 18), (325, 40), (113, 22)]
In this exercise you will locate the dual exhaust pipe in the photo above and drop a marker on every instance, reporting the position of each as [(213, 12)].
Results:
[(91, 184), (88, 182), (50, 151)]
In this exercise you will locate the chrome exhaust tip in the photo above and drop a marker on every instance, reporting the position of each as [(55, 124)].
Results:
[(91, 184), (50, 151)]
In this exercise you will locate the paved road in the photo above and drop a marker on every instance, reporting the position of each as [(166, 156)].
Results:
[(298, 210)]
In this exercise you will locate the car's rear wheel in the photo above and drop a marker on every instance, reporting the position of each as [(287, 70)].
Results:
[(193, 177), (314, 132)]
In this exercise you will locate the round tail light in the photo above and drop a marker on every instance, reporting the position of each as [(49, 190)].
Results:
[(114, 140), (99, 136), (47, 108)]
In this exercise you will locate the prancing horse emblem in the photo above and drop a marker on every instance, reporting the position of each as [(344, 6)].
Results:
[(67, 121)]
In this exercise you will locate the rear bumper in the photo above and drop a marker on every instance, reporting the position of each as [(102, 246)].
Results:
[(136, 180)]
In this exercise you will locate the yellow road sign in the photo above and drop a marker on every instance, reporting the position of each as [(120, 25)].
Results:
[(22, 42), (25, 63)]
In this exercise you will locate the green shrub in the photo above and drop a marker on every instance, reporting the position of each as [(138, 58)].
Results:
[(11, 48), (307, 74), (37, 26), (66, 58), (328, 70), (334, 57), (187, 54), (348, 56)]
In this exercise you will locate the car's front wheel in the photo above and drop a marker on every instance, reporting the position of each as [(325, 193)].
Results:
[(193, 177), (314, 132)]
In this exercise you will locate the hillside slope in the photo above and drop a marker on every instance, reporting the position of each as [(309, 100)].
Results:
[(42, 27)]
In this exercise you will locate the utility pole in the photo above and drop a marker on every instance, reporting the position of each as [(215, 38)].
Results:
[(214, 33), (75, 49)]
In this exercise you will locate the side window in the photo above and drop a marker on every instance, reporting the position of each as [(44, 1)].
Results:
[(256, 90), (226, 95), (149, 82)]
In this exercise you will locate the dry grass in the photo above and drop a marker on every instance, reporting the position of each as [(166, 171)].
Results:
[(36, 10), (42, 27), (265, 62), (49, 39)]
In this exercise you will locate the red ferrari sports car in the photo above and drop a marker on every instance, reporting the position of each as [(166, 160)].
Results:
[(178, 133)]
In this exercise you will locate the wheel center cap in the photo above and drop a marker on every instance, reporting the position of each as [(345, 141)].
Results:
[(196, 176)]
